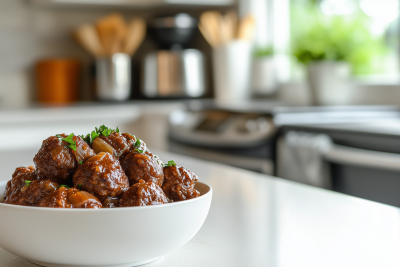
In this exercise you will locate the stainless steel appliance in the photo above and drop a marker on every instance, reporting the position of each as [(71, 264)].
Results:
[(174, 70), (361, 156), (364, 157), (240, 135)]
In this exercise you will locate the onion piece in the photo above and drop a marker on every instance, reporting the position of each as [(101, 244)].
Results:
[(83, 199), (99, 145), (98, 157), (81, 154)]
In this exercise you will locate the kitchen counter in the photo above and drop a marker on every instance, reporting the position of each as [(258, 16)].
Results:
[(257, 220)]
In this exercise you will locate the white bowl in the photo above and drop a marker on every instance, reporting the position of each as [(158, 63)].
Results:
[(105, 237)]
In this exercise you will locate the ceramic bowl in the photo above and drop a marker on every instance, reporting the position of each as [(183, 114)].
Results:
[(105, 237)]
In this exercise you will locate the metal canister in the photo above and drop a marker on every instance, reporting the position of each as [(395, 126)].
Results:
[(114, 77)]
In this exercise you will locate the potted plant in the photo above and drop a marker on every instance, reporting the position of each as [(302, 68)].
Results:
[(263, 72), (331, 49)]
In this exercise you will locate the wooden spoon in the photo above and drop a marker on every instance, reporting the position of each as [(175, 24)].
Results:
[(87, 36), (112, 31), (135, 35)]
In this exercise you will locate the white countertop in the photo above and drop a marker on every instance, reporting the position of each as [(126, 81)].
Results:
[(257, 220)]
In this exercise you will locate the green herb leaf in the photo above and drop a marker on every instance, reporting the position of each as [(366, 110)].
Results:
[(27, 183), (80, 186), (138, 143), (63, 185), (69, 140), (117, 130), (138, 150), (80, 162), (170, 164)]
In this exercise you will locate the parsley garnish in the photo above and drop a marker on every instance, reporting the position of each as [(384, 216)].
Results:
[(90, 137), (138, 150), (138, 143), (27, 183), (170, 164), (80, 162), (69, 140), (80, 186), (63, 185), (104, 130)]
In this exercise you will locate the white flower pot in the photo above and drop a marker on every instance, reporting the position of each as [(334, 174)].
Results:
[(329, 82), (264, 76)]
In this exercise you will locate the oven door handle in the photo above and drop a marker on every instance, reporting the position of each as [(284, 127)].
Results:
[(362, 157)]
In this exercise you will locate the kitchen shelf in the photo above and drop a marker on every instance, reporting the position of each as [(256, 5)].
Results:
[(134, 3)]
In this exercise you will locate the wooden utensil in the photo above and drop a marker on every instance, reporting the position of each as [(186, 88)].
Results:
[(87, 36), (211, 22), (247, 28), (136, 32), (232, 20), (112, 31)]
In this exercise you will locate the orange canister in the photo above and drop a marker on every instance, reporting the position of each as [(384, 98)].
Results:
[(57, 80)]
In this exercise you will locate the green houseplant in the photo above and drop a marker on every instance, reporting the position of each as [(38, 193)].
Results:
[(331, 48)]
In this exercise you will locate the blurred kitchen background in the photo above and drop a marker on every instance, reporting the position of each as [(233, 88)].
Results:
[(305, 90)]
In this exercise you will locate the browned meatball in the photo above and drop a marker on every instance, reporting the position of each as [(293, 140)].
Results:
[(117, 144), (33, 192), (143, 194), (111, 202), (114, 144), (57, 199), (101, 176), (179, 183), (143, 166), (70, 198), (19, 177), (57, 161)]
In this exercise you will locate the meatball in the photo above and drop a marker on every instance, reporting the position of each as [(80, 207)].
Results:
[(70, 198), (117, 144), (56, 160), (33, 192), (19, 177), (101, 176), (143, 166), (57, 199), (179, 183), (143, 194)]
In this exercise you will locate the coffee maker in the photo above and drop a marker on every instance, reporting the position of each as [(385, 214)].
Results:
[(173, 71)]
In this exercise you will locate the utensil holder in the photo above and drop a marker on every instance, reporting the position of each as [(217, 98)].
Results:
[(231, 68), (114, 77)]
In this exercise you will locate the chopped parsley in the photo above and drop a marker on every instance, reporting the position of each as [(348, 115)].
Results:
[(69, 140), (104, 130), (27, 183), (63, 185), (80, 186), (80, 162), (170, 164), (90, 137), (138, 143), (138, 150)]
